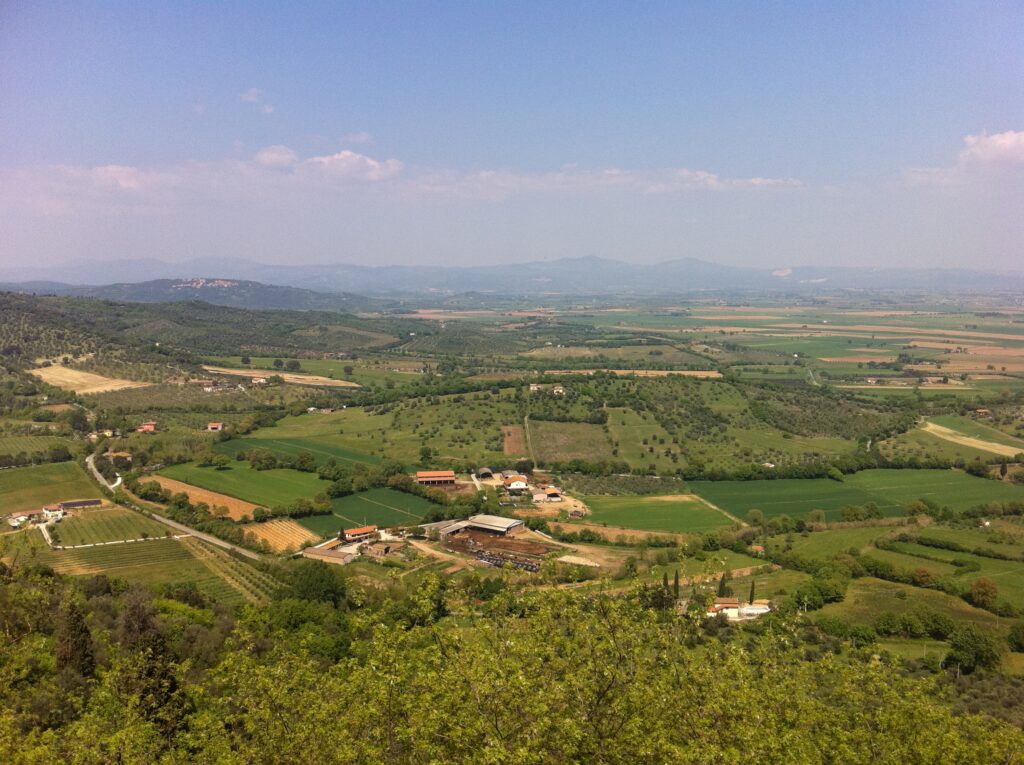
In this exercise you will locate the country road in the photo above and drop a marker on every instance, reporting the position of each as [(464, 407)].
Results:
[(91, 464)]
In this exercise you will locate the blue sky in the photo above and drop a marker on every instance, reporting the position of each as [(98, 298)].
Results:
[(769, 134)]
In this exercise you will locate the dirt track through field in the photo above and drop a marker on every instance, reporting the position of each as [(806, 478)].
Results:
[(956, 437), (236, 507), (288, 377)]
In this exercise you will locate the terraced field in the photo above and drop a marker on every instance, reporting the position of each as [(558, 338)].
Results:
[(281, 535)]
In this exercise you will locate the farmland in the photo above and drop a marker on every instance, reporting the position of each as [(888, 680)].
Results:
[(674, 513), (891, 490), (83, 383), (266, 488), (379, 507), (237, 509), (92, 526), (281, 535), (158, 561), (30, 444), (29, 488)]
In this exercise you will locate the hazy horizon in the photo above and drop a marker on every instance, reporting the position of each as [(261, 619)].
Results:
[(873, 135)]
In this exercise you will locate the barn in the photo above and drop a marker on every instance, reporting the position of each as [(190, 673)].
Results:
[(435, 478)]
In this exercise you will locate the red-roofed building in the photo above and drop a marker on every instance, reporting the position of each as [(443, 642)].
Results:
[(359, 534), (436, 478), (216, 427), (146, 427)]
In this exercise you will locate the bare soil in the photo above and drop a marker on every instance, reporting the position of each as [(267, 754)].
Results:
[(237, 508)]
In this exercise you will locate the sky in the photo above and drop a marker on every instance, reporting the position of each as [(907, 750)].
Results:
[(767, 134)]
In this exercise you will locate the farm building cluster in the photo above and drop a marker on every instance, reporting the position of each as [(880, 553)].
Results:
[(49, 513)]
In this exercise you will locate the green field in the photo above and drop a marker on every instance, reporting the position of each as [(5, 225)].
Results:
[(378, 507), (655, 514), (867, 598), (159, 561), (30, 444), (268, 488), (976, 429), (889, 489), (291, 447), (29, 488), (107, 525), (825, 544)]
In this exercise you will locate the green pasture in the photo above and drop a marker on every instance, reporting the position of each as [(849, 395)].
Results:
[(29, 488), (1007, 574), (291, 447), (378, 507), (267, 488), (891, 490), (867, 598), (648, 513), (826, 544), (562, 441)]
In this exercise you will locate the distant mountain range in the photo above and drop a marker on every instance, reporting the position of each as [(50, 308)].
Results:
[(323, 284), (233, 293)]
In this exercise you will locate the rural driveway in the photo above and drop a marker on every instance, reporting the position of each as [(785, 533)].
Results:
[(205, 537), (89, 461)]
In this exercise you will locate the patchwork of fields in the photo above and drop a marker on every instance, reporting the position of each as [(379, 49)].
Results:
[(891, 490)]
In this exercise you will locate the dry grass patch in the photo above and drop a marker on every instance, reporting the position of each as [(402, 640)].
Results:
[(288, 377), (281, 535), (514, 441), (237, 508), (956, 437), (81, 382)]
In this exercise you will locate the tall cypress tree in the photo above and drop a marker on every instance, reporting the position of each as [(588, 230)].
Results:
[(73, 645), (664, 581), (751, 598), (675, 584)]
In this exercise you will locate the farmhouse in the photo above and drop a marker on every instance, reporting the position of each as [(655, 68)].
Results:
[(515, 483), (258, 381), (557, 390), (146, 427), (539, 496), (358, 534), (215, 427), (435, 478), (53, 512), (484, 472), (553, 494), (534, 388), (735, 611)]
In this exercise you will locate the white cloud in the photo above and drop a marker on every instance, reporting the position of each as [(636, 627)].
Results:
[(255, 96), (999, 148), (984, 158), (276, 156), (349, 164)]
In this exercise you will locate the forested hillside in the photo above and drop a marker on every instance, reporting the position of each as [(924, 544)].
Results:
[(331, 673)]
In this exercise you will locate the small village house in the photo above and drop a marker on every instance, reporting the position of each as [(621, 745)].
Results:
[(215, 427), (146, 427)]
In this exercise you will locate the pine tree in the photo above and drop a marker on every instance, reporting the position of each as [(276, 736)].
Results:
[(73, 645)]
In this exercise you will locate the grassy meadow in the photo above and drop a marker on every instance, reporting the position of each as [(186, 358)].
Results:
[(29, 488), (267, 488), (891, 490), (682, 514)]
